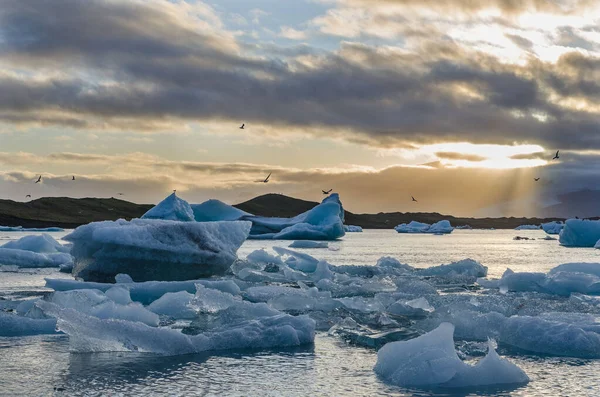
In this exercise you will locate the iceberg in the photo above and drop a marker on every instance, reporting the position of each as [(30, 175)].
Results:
[(528, 227), (42, 244), (30, 229), (14, 325), (223, 322), (27, 259), (309, 244), (580, 233), (152, 249), (352, 229), (553, 227), (172, 209), (431, 361), (148, 291), (215, 210), (563, 280), (323, 222), (441, 227)]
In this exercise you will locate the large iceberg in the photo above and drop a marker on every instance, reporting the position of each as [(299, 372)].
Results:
[(441, 227), (215, 210), (323, 222), (528, 227), (553, 227), (431, 361), (580, 233), (172, 209), (150, 249)]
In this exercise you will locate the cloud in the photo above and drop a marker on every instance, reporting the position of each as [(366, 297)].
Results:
[(459, 156), (290, 33), (148, 66)]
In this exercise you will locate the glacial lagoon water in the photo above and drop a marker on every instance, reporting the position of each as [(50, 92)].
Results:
[(43, 365)]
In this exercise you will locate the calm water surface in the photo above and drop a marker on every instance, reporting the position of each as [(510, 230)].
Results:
[(42, 365)]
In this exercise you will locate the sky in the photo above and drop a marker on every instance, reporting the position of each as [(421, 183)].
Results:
[(459, 103)]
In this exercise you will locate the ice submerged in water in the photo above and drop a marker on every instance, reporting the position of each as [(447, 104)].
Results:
[(352, 229), (151, 249), (554, 227), (431, 361), (441, 227)]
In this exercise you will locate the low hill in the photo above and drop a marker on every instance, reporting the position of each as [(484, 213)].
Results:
[(70, 212), (66, 212)]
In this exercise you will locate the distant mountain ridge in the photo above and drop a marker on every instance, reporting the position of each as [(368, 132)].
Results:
[(71, 212)]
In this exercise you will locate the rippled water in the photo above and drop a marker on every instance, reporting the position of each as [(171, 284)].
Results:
[(42, 365)]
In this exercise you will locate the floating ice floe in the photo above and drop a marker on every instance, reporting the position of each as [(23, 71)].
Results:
[(171, 209), (352, 229), (580, 233), (528, 227), (12, 324), (30, 229), (463, 227), (27, 259), (553, 227), (441, 227), (148, 291), (42, 244), (431, 361), (215, 210), (309, 244), (222, 322), (150, 249)]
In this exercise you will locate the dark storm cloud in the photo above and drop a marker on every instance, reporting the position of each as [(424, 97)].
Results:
[(146, 69)]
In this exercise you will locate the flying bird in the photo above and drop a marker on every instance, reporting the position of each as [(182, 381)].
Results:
[(413, 199), (266, 180), (242, 126), (39, 179), (327, 192), (73, 178), (556, 155), (536, 179), (29, 195)]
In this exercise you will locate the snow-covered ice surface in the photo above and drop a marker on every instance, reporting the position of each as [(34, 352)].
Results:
[(377, 289), (441, 227), (151, 249)]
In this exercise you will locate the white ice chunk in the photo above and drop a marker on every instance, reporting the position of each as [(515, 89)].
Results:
[(215, 210), (441, 227), (431, 360), (97, 304), (309, 244), (414, 308), (149, 249), (42, 244), (298, 260), (528, 227), (554, 227), (580, 233), (175, 305), (465, 267), (28, 259), (172, 209), (352, 229), (148, 291)]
